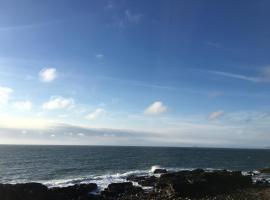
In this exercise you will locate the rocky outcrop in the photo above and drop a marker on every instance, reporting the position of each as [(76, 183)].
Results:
[(265, 170), (74, 192), (200, 183), (37, 191), (27, 191), (145, 181), (197, 184), (160, 171), (120, 190)]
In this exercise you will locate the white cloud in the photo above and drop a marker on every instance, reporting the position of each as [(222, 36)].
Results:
[(58, 102), (128, 18), (156, 108), (5, 95), (262, 76), (99, 112), (48, 74), (81, 134), (238, 76), (132, 18), (99, 56), (215, 115), (23, 105)]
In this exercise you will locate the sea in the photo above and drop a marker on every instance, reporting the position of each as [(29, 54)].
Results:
[(59, 166)]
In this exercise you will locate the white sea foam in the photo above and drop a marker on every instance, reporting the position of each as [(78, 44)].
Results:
[(104, 180), (101, 180)]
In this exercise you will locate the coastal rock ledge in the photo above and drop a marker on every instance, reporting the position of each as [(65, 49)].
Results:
[(183, 185)]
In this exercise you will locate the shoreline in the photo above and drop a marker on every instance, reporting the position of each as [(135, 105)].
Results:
[(195, 184)]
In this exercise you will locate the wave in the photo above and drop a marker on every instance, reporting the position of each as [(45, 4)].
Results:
[(101, 180), (104, 180)]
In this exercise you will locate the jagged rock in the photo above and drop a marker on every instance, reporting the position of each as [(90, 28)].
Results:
[(115, 190), (160, 171), (265, 170), (37, 191), (75, 191), (199, 182), (262, 182), (27, 191), (143, 180)]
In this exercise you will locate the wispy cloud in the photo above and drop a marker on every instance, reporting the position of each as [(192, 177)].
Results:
[(216, 115), (5, 93), (137, 83), (99, 56), (263, 75), (99, 112), (132, 17), (237, 76), (145, 84), (128, 18), (58, 102), (23, 105), (48, 74), (156, 108), (29, 26)]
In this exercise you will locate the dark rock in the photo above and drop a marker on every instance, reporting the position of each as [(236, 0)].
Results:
[(37, 191), (265, 170), (76, 191), (199, 182), (262, 182), (115, 190), (143, 180), (27, 191), (160, 171), (119, 187)]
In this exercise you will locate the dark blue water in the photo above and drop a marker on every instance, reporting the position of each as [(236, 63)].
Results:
[(64, 165)]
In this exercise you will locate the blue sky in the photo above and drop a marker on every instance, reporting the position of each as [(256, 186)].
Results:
[(165, 73)]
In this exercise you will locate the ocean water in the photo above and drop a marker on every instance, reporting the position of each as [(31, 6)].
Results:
[(68, 165)]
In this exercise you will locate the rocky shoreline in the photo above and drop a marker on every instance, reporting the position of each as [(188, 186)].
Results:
[(182, 185)]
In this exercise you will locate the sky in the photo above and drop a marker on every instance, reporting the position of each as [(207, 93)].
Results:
[(145, 73)]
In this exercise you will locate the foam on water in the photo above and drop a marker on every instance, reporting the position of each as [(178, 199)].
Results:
[(101, 180), (104, 180)]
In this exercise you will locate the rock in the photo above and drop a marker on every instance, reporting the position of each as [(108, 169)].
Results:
[(120, 189), (27, 191), (76, 191), (146, 181), (37, 191), (262, 182), (160, 171), (200, 183), (265, 170)]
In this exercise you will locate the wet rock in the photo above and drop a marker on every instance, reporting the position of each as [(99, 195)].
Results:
[(265, 170), (146, 181), (27, 191), (199, 182), (160, 171), (37, 191), (262, 182), (116, 190), (79, 191), (119, 187)]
